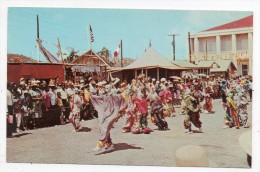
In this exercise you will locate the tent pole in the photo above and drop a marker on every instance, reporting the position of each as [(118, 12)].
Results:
[(135, 74), (146, 73)]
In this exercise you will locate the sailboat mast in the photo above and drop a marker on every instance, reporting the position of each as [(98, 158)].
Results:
[(38, 37)]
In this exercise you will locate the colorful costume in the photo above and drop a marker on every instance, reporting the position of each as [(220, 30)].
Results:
[(232, 107), (109, 108), (166, 99), (142, 108), (157, 112), (75, 105), (193, 113), (208, 104)]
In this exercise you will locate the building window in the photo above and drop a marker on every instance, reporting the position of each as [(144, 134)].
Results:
[(244, 69), (210, 42), (226, 43), (242, 41)]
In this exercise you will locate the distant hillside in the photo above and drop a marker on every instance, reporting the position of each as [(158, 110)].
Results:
[(16, 58)]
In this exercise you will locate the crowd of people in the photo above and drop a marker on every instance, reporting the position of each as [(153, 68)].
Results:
[(34, 104)]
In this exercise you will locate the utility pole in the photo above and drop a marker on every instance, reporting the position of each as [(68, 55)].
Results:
[(121, 52), (189, 47), (173, 44)]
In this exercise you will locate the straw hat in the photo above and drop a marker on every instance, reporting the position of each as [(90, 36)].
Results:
[(99, 84), (117, 80), (90, 78), (245, 141), (123, 85), (191, 156), (51, 83), (163, 80), (34, 83), (22, 81)]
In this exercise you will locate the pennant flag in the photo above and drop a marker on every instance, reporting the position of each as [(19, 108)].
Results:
[(91, 34), (116, 53)]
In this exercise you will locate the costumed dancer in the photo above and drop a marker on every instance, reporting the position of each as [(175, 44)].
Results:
[(75, 105), (166, 99), (232, 108), (157, 110), (110, 107), (193, 112), (208, 104), (227, 118), (241, 101), (129, 112), (142, 108)]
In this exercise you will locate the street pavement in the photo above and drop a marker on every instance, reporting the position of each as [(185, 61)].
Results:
[(59, 145)]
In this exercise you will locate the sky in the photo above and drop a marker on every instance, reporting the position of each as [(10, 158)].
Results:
[(136, 28)]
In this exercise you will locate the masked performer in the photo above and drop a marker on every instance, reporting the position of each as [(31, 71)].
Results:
[(75, 105), (232, 108), (208, 104), (193, 112), (157, 110), (142, 112), (110, 107)]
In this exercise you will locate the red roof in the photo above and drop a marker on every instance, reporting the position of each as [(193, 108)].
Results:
[(241, 23)]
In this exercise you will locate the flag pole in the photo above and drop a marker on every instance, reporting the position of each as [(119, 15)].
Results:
[(90, 44), (121, 46)]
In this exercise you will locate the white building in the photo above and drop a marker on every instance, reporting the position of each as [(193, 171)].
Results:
[(231, 41)]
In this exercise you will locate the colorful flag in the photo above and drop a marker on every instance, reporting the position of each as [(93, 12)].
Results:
[(91, 34), (116, 53)]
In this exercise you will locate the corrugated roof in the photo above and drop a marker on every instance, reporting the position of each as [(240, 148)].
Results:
[(224, 66), (151, 59), (206, 64), (184, 64), (241, 23)]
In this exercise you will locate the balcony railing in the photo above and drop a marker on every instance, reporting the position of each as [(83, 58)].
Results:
[(226, 55)]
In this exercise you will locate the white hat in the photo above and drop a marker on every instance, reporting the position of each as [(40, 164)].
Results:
[(191, 156), (163, 80), (153, 79), (117, 80), (104, 82), (81, 81), (100, 84)]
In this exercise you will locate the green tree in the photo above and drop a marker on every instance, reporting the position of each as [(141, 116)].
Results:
[(105, 53), (72, 56)]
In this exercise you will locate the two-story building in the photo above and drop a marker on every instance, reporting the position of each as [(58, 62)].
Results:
[(231, 41)]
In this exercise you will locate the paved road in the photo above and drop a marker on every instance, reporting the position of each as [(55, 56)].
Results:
[(60, 145)]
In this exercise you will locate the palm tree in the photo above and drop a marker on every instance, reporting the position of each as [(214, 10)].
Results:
[(72, 56), (105, 53)]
